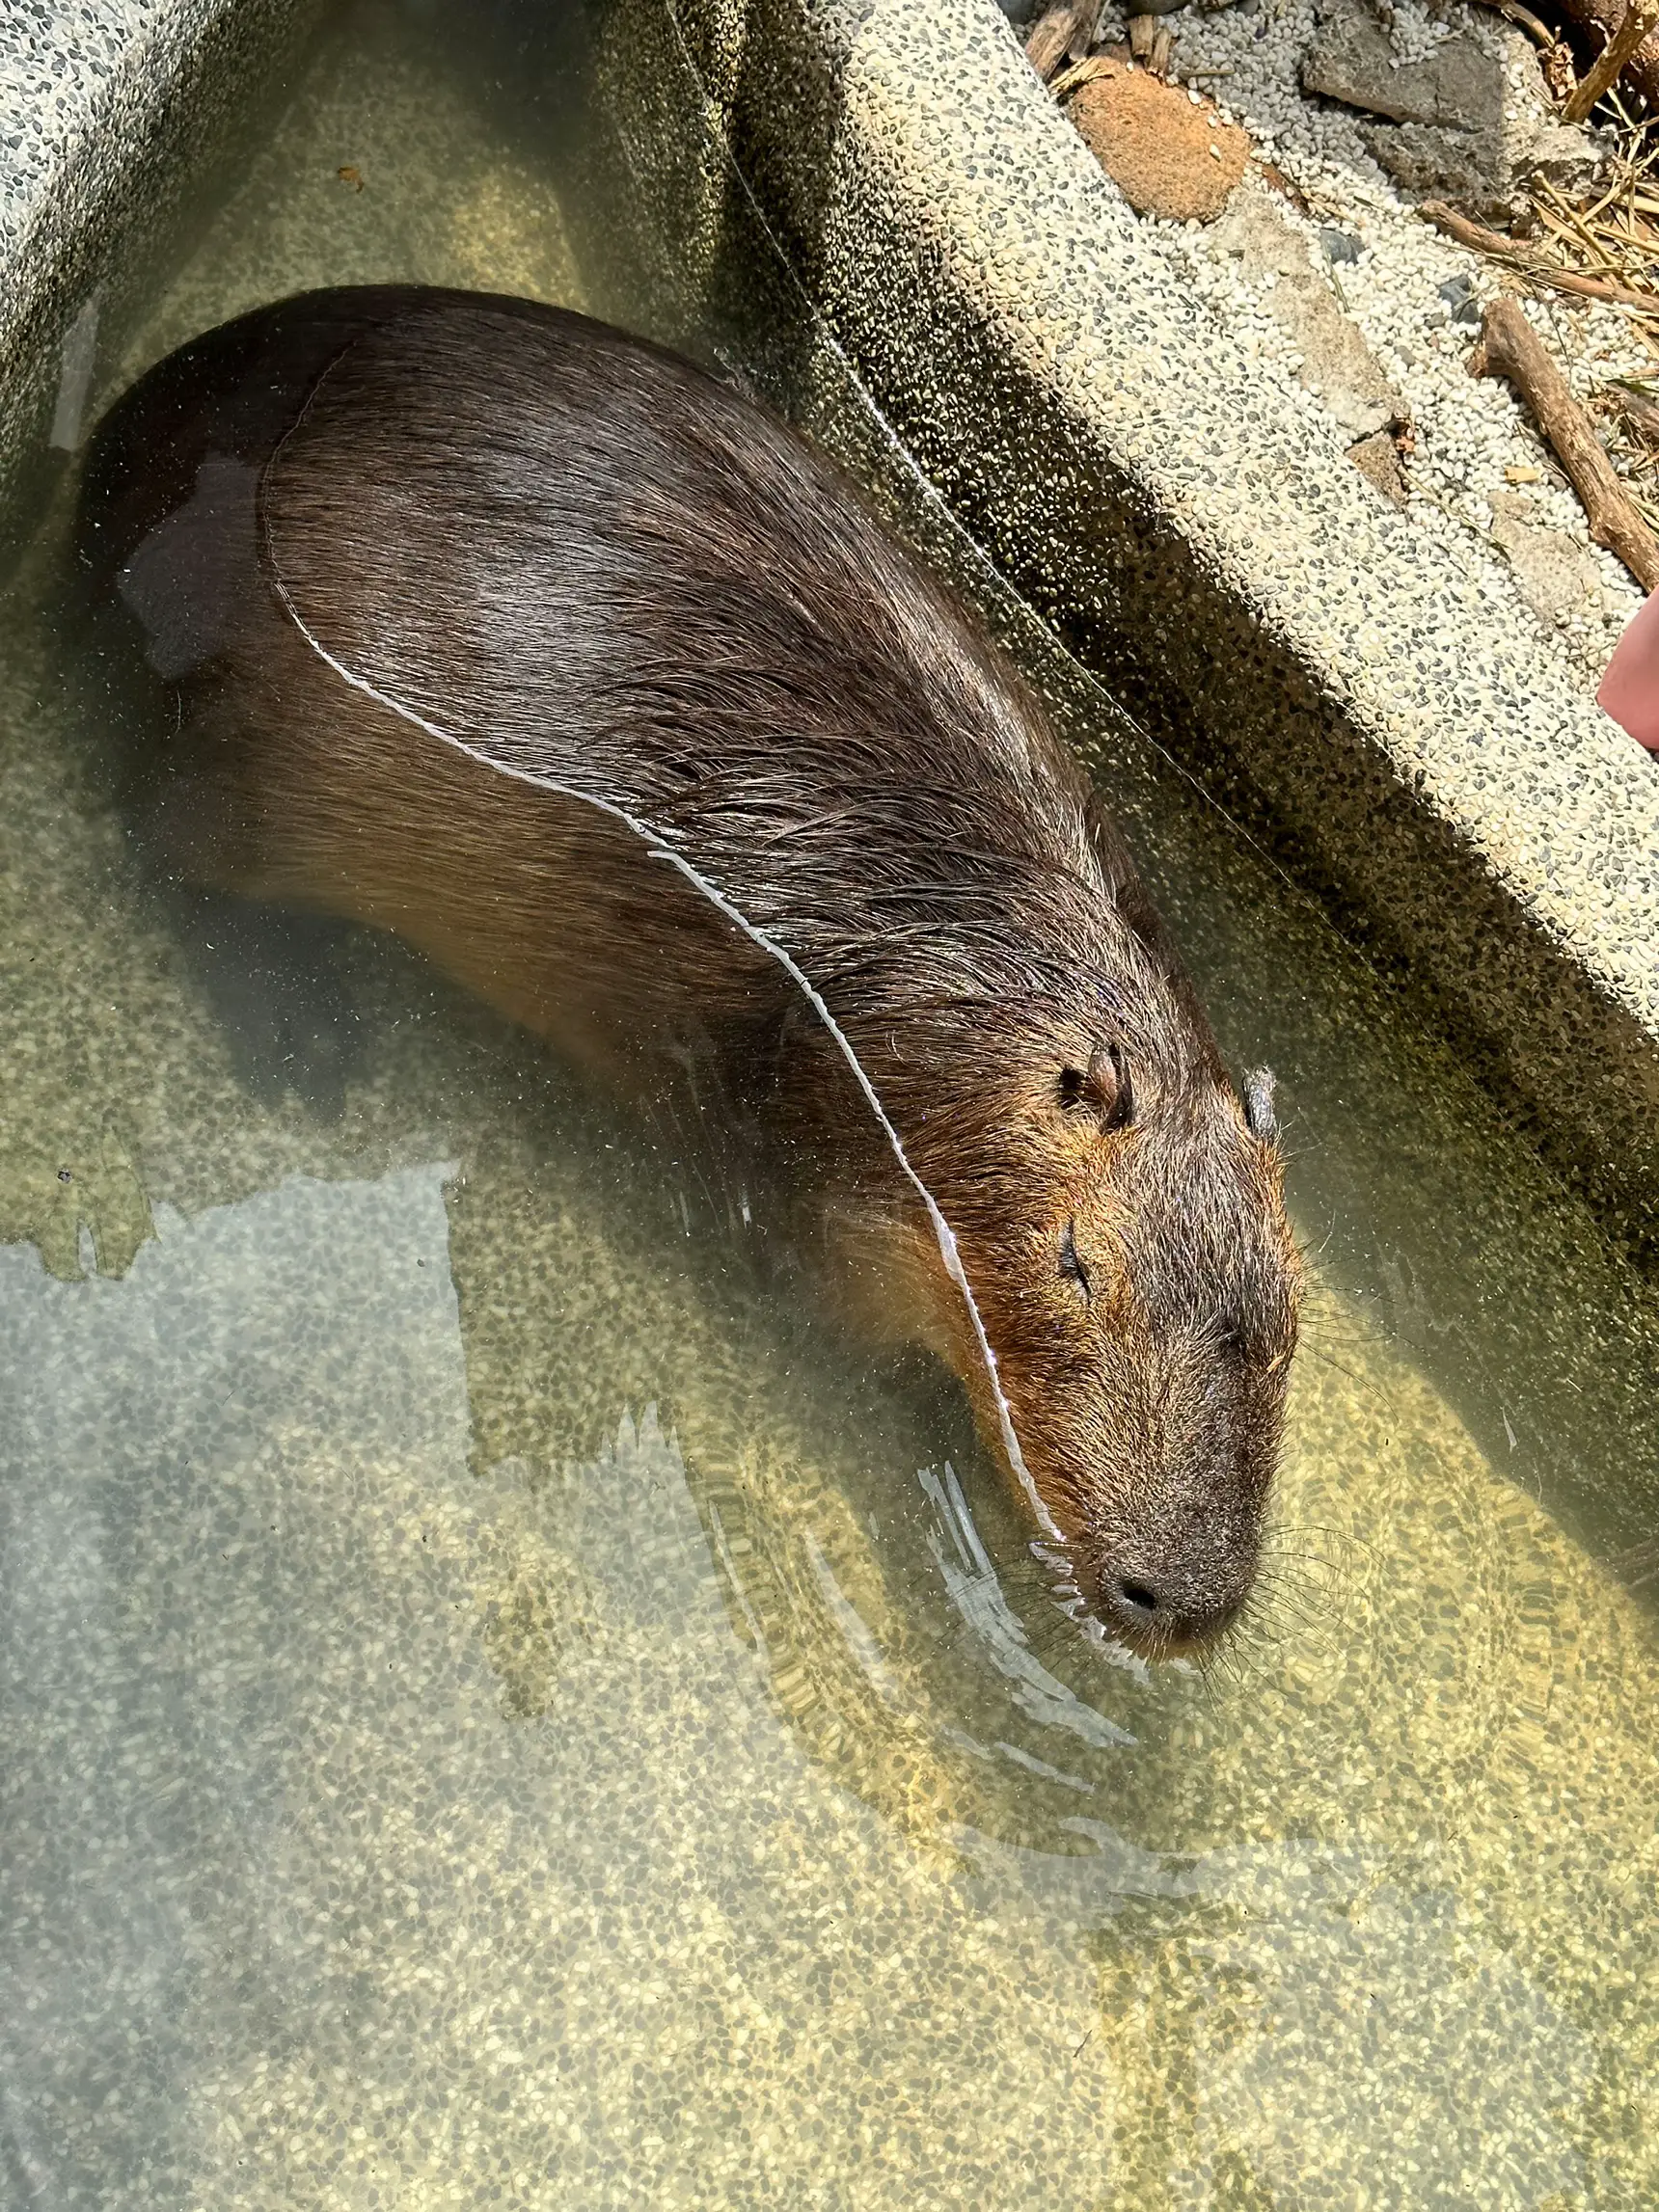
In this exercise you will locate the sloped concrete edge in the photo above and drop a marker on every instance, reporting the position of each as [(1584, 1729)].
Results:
[(1265, 613), (110, 113)]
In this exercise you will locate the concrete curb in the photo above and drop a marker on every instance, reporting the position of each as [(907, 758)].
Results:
[(110, 113), (1265, 614)]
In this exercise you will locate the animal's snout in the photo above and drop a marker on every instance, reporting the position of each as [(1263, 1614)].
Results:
[(1163, 1605)]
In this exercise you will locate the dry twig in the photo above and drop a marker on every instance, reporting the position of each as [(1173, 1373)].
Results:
[(1606, 18), (1476, 236), (1632, 441), (1510, 348), (1641, 18), (1637, 403), (1074, 79)]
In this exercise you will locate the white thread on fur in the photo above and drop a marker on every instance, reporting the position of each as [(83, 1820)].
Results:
[(662, 849)]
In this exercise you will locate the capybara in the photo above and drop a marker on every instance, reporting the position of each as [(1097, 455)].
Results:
[(502, 630)]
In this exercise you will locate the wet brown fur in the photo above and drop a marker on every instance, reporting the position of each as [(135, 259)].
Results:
[(583, 561)]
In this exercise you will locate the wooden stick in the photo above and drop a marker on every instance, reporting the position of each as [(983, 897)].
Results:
[(1513, 13), (1510, 348), (1542, 272), (1066, 27), (1641, 18), (1604, 19), (1083, 35)]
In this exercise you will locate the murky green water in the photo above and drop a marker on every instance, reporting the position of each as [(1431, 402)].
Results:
[(500, 1706)]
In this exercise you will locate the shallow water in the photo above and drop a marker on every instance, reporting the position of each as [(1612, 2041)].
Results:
[(501, 1705)]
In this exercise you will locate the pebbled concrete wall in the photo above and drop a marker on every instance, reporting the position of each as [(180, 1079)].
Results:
[(112, 113)]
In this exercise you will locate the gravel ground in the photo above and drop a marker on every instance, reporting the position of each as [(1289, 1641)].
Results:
[(1468, 432)]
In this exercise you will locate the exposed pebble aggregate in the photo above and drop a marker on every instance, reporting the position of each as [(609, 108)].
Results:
[(1468, 431), (58, 67), (92, 106), (1417, 734)]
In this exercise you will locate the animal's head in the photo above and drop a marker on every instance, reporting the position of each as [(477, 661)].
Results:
[(1144, 1324), (1122, 1224)]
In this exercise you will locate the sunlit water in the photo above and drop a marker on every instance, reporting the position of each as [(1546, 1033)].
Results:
[(501, 1705)]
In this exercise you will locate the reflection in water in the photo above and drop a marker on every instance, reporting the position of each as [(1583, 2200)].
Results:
[(290, 1914), (376, 1822), (431, 1770), (966, 1570)]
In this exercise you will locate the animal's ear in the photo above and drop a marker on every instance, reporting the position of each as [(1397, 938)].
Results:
[(1102, 1088), (1259, 1112)]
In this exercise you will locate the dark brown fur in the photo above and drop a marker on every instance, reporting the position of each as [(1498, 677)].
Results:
[(585, 562)]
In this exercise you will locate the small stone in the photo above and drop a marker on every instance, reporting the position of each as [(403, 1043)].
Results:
[(1155, 142), (1377, 460), (1331, 355), (1563, 154), (1458, 293), (1339, 245), (1458, 85), (1463, 166), (1557, 579), (1444, 126)]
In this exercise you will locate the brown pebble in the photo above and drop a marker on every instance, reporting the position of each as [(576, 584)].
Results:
[(1167, 153), (1377, 460)]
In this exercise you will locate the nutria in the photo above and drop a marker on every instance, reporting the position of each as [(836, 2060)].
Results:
[(474, 613)]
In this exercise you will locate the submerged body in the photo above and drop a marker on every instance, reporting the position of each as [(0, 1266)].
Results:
[(495, 628)]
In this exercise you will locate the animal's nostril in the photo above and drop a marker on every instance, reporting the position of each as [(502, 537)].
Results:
[(1140, 1595)]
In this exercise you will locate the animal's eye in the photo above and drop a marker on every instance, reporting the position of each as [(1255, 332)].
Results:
[(1071, 1266)]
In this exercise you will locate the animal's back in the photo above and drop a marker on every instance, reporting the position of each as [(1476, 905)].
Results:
[(598, 570), (364, 519)]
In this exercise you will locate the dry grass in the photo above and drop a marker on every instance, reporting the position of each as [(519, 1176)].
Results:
[(1627, 414), (1613, 234)]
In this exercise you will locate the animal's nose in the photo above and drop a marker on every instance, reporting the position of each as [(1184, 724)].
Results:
[(1173, 1610)]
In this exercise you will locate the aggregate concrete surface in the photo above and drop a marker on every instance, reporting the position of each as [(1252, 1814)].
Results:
[(104, 106)]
